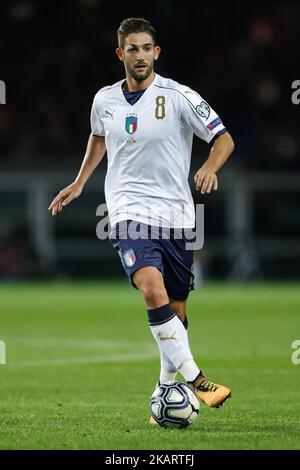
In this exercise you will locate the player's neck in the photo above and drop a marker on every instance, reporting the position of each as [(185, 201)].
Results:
[(133, 85)]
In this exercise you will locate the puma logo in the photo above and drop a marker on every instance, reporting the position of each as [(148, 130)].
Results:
[(164, 338), (110, 114)]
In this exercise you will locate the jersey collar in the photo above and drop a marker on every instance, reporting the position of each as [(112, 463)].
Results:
[(143, 96)]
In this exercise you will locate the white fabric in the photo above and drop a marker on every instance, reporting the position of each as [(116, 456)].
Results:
[(189, 370), (172, 341), (168, 371), (148, 167)]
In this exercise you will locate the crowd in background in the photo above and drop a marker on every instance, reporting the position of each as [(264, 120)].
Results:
[(54, 56)]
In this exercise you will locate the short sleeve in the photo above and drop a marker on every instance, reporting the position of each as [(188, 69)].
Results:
[(199, 116), (97, 128)]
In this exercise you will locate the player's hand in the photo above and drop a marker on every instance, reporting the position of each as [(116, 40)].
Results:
[(206, 179), (64, 197)]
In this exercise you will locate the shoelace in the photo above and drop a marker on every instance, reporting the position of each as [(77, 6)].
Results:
[(207, 386)]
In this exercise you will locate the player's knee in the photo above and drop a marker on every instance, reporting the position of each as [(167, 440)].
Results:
[(154, 294)]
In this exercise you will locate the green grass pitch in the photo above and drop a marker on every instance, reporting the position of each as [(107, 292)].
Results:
[(82, 365)]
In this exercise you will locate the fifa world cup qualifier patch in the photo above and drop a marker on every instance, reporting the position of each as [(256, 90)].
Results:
[(203, 109), (129, 258)]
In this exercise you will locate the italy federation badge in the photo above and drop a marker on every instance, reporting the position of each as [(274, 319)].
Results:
[(129, 258), (131, 123)]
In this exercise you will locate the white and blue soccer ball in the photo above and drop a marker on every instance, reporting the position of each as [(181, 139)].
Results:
[(174, 404)]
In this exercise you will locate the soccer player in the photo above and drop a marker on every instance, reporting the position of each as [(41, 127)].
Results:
[(146, 124)]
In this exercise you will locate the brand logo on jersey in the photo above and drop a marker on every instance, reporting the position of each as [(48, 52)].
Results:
[(131, 123), (109, 114), (129, 258), (203, 109), (214, 123)]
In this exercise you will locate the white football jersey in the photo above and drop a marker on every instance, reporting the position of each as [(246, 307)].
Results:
[(149, 148)]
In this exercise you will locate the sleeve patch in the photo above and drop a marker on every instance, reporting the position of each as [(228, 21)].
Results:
[(203, 110), (215, 123)]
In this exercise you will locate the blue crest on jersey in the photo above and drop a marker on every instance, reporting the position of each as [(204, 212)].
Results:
[(131, 124)]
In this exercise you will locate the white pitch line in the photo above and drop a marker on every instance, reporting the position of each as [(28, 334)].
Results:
[(77, 343), (130, 357)]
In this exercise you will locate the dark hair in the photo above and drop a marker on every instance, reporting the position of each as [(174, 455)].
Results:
[(134, 25)]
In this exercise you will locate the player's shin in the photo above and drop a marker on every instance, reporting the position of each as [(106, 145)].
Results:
[(170, 336), (167, 369)]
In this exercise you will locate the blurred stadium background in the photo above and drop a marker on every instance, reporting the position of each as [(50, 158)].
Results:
[(68, 342), (54, 56)]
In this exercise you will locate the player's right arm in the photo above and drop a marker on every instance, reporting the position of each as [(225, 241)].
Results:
[(93, 156)]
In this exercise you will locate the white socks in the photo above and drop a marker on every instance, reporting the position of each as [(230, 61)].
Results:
[(172, 341), (167, 370)]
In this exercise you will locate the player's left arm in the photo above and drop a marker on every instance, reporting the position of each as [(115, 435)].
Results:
[(206, 177)]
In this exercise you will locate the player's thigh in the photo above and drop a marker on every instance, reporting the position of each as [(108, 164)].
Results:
[(137, 253), (178, 273), (150, 282)]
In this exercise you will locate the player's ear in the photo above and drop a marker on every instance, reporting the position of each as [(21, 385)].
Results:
[(157, 50), (119, 53)]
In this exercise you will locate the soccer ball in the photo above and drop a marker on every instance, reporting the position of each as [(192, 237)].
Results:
[(174, 404)]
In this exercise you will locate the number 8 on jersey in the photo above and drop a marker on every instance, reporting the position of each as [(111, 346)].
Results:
[(160, 110)]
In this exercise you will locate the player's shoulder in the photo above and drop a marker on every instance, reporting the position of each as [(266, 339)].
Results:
[(173, 86), (186, 96), (107, 90)]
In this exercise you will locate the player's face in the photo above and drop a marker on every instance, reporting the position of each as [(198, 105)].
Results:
[(138, 55)]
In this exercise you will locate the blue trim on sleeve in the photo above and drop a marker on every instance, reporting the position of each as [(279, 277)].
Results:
[(222, 131)]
